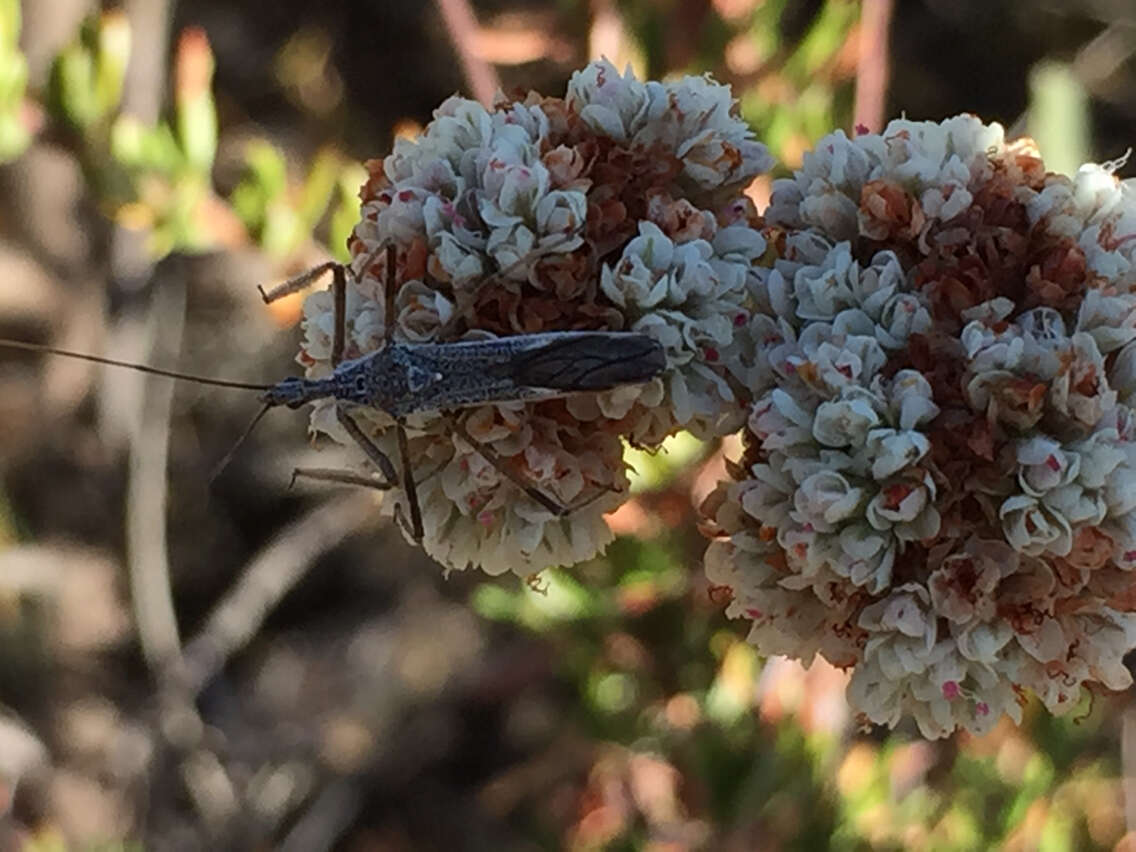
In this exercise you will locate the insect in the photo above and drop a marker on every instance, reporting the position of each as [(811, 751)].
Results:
[(405, 378)]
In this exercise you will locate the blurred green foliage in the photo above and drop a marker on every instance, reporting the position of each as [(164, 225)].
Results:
[(812, 91), (14, 132), (1059, 116), (629, 635), (159, 176), (87, 77), (281, 218), (651, 471), (792, 86)]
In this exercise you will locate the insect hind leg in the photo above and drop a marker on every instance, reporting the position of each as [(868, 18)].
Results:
[(345, 477), (408, 484)]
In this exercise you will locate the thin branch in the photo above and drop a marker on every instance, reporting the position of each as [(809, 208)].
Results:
[(329, 816), (141, 408), (144, 87), (607, 34), (146, 546), (1128, 766), (462, 28), (266, 579), (872, 65)]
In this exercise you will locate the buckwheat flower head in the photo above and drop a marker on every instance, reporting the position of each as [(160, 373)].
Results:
[(692, 120), (938, 490), (617, 207)]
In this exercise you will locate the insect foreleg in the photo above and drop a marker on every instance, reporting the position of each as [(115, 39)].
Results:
[(389, 294), (339, 300), (408, 485), (300, 282), (339, 315)]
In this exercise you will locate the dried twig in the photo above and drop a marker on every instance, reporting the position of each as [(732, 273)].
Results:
[(872, 67), (331, 814), (462, 28), (150, 591), (1128, 766), (267, 578), (137, 406), (607, 34)]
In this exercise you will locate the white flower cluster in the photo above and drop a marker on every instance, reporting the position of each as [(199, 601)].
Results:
[(474, 190), (692, 117), (1056, 489), (614, 208), (691, 296), (841, 481), (1097, 212), (939, 485), (936, 165)]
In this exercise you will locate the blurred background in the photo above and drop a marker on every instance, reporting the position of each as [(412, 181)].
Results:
[(241, 665)]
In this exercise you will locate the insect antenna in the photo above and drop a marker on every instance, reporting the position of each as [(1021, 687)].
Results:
[(228, 457), (5, 343)]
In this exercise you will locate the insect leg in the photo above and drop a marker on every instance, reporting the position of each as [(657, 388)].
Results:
[(300, 282), (347, 477), (386, 468), (378, 458), (339, 303), (408, 484), (350, 477), (389, 294), (494, 458), (339, 314)]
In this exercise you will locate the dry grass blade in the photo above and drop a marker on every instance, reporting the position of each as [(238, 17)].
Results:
[(267, 578), (462, 28)]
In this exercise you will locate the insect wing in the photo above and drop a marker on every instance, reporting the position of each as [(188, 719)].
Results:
[(589, 361)]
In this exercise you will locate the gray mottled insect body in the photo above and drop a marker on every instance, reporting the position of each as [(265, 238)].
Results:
[(405, 378)]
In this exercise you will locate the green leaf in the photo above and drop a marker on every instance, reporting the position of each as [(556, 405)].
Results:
[(71, 88), (86, 78), (142, 148), (264, 178), (1059, 116), (195, 114), (316, 193), (112, 55), (345, 214), (14, 133)]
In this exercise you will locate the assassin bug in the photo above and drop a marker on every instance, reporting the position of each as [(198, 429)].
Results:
[(404, 378)]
